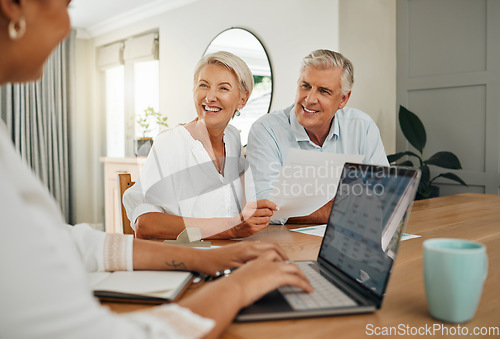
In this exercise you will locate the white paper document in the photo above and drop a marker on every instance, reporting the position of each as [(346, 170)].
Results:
[(307, 181), (407, 236), (318, 230)]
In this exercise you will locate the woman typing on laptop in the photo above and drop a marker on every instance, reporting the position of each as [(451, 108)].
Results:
[(44, 262)]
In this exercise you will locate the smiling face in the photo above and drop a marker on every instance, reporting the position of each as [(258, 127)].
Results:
[(217, 96), (319, 96)]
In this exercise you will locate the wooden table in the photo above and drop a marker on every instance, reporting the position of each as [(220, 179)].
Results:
[(468, 216)]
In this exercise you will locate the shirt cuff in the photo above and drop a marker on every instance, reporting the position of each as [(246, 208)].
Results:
[(90, 244), (181, 322), (118, 250)]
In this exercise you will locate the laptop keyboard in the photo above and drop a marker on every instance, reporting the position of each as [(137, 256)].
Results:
[(325, 294)]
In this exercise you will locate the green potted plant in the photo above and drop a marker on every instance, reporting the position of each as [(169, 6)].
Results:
[(414, 132), (146, 121)]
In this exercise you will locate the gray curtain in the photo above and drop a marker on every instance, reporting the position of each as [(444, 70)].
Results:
[(37, 116)]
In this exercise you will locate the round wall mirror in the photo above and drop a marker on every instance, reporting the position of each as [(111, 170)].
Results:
[(246, 45)]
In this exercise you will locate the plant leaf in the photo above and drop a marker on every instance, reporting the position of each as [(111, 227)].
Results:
[(395, 157), (412, 128), (424, 187), (451, 176), (425, 192), (406, 163), (445, 160)]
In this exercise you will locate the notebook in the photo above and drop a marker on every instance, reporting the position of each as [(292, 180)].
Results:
[(368, 217), (140, 286)]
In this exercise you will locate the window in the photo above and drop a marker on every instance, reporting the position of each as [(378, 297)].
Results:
[(115, 112), (146, 94), (131, 86)]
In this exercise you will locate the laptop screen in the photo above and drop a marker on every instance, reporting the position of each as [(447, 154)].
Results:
[(367, 221)]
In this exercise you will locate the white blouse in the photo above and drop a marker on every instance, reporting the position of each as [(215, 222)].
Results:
[(180, 178), (44, 289)]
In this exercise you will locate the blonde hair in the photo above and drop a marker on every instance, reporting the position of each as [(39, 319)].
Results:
[(323, 59), (232, 63)]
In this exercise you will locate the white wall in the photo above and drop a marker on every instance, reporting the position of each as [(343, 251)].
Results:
[(368, 39), (288, 29)]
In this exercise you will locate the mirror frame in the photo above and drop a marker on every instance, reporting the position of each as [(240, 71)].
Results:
[(265, 51)]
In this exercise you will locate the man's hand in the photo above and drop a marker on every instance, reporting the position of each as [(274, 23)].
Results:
[(320, 216)]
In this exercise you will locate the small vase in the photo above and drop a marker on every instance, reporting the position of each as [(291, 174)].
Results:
[(143, 146)]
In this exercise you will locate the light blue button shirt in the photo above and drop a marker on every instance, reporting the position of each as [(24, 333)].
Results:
[(272, 135)]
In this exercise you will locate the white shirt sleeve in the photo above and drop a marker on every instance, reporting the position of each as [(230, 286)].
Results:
[(375, 152), (161, 163), (136, 204), (182, 322), (264, 156), (265, 160), (103, 251)]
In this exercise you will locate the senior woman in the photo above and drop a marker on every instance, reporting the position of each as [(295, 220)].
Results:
[(44, 289), (195, 174)]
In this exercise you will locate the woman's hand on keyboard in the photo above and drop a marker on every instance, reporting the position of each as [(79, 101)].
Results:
[(264, 275), (221, 299), (233, 256)]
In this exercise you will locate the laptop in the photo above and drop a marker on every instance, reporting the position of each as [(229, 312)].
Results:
[(369, 214)]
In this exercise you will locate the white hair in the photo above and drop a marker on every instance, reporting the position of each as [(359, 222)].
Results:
[(324, 59), (232, 63)]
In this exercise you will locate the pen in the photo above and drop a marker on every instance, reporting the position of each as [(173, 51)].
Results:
[(199, 278), (220, 274)]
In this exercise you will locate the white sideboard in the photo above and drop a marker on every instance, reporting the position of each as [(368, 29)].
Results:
[(112, 203)]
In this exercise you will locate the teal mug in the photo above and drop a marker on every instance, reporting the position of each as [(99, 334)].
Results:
[(454, 272)]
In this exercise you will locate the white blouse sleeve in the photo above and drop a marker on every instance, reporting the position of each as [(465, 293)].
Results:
[(164, 159), (136, 204), (103, 251), (182, 323)]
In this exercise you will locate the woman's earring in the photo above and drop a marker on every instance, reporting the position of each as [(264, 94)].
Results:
[(17, 29), (237, 113)]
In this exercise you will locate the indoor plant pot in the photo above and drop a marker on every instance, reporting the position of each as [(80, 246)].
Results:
[(145, 121)]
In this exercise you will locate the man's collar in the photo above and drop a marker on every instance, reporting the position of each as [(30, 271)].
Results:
[(300, 132), (334, 128)]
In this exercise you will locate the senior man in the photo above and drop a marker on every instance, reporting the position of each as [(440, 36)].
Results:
[(318, 120)]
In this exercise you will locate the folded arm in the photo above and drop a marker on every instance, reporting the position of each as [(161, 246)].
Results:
[(254, 217)]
